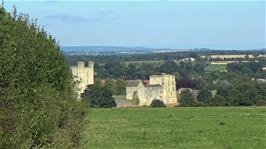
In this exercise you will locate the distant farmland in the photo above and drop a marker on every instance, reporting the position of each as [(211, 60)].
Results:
[(215, 67), (188, 128), (140, 63)]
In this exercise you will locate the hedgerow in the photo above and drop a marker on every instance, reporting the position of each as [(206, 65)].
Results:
[(38, 106)]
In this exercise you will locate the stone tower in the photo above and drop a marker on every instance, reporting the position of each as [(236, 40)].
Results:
[(168, 84), (84, 74)]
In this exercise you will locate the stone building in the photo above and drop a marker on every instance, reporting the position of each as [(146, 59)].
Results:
[(264, 68), (160, 87), (84, 74), (188, 59), (132, 87)]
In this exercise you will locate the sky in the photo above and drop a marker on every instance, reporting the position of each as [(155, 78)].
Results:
[(154, 24)]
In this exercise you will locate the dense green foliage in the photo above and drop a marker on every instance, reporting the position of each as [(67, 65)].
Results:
[(98, 97), (38, 107), (157, 104), (204, 97), (252, 69), (226, 89), (118, 70), (187, 99), (241, 94), (174, 128)]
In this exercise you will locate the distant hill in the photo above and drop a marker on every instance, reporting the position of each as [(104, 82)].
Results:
[(119, 50), (102, 48), (112, 50)]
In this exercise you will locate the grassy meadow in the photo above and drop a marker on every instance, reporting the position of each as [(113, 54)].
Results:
[(184, 128), (215, 67)]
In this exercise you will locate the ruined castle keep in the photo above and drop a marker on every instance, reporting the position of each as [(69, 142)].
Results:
[(160, 87), (83, 74)]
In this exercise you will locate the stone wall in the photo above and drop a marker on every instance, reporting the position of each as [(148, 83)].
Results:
[(150, 93)]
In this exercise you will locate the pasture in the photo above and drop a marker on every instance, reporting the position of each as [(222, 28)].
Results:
[(185, 128), (215, 67)]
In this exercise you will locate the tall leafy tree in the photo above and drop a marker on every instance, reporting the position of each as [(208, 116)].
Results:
[(204, 96)]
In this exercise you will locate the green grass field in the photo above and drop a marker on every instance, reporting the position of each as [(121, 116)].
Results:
[(180, 128), (214, 67)]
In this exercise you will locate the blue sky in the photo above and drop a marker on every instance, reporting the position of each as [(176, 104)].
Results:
[(155, 24)]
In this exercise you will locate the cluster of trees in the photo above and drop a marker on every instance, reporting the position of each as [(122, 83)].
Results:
[(119, 66), (234, 88), (104, 59), (235, 92), (116, 70), (38, 106), (241, 94), (98, 96), (168, 56), (251, 69)]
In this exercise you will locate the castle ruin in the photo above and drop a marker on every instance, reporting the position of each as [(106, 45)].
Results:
[(83, 74), (161, 87)]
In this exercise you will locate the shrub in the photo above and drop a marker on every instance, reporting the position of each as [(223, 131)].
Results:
[(187, 99), (98, 97), (156, 103), (38, 107)]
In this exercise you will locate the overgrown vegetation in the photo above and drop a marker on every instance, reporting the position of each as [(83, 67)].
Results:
[(38, 106)]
